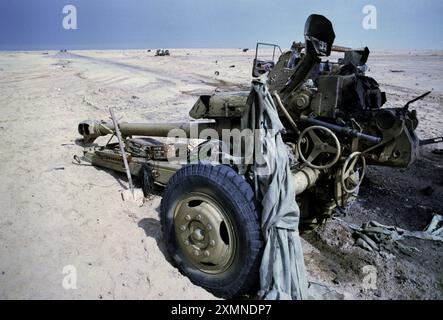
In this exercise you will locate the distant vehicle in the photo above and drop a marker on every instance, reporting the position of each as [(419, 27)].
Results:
[(162, 52)]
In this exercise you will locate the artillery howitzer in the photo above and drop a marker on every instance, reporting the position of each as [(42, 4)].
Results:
[(334, 127)]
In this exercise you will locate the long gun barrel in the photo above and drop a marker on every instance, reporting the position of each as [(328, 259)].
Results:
[(91, 130), (333, 48)]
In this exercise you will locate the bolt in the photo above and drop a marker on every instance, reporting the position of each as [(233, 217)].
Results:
[(212, 243), (196, 253), (187, 243), (183, 228), (188, 217), (198, 217), (209, 227), (206, 253)]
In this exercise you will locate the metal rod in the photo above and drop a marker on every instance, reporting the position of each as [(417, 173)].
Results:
[(430, 141), (286, 113), (333, 48), (122, 150), (406, 107), (345, 130)]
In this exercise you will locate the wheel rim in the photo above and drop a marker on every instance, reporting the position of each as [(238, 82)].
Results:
[(319, 147), (204, 233), (347, 169)]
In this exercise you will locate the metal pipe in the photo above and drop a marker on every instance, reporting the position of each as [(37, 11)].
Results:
[(345, 130), (304, 179), (286, 113)]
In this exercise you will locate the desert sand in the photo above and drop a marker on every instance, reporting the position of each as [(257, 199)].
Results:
[(54, 213)]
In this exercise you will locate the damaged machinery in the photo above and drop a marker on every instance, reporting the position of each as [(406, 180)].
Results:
[(335, 125)]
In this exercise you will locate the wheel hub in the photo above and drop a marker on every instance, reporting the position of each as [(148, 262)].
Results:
[(204, 233)]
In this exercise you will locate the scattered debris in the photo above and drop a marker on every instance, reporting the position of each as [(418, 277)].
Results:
[(217, 73), (337, 280), (134, 97), (232, 66), (435, 227), (396, 71), (245, 49), (365, 243), (318, 291), (89, 103), (374, 236)]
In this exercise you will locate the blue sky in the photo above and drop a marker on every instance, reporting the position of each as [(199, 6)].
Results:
[(113, 24)]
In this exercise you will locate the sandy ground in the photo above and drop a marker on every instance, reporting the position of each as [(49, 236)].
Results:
[(54, 213)]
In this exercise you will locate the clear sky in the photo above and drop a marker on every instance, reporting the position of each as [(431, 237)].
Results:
[(114, 24)]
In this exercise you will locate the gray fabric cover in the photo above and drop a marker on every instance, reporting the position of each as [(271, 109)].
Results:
[(282, 271)]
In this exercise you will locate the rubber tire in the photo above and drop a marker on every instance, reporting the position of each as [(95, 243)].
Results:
[(233, 193)]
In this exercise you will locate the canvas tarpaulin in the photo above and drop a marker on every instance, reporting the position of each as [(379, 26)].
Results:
[(282, 271)]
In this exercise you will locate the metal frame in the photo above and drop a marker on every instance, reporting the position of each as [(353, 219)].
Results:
[(267, 44)]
